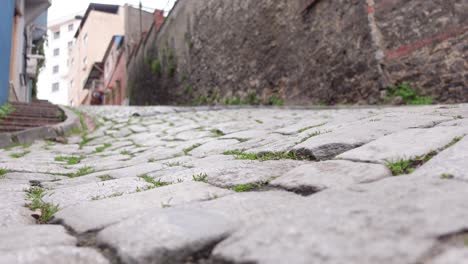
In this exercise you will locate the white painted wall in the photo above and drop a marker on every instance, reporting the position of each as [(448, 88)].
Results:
[(47, 78)]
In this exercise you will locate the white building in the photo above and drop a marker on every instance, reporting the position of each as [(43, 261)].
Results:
[(53, 82)]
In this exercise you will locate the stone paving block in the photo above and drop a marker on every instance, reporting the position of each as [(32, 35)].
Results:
[(317, 176), (170, 235), (53, 255), (226, 171), (339, 138), (450, 164), (26, 177), (25, 237), (404, 145), (98, 214), (451, 256), (302, 125), (65, 197), (7, 185), (395, 220), (15, 215), (12, 198), (214, 147)]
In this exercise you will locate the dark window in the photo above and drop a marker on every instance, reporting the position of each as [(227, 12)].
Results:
[(55, 87)]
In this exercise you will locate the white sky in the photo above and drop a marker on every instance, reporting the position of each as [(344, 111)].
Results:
[(65, 8)]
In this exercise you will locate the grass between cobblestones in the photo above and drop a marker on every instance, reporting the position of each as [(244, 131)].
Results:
[(153, 182), (106, 177), (3, 172), (102, 148), (81, 172), (20, 154), (250, 186), (202, 177), (187, 150), (24, 146), (241, 155), (71, 160), (47, 210), (408, 166)]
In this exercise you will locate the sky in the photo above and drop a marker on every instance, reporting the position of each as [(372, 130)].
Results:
[(64, 8)]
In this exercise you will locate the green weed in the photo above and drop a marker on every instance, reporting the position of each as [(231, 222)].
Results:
[(71, 160), (187, 150), (202, 177), (408, 94)]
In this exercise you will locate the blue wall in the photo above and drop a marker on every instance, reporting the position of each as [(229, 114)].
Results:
[(6, 27)]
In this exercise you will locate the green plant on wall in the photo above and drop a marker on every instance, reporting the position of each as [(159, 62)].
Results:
[(156, 67), (171, 65), (275, 100), (407, 94)]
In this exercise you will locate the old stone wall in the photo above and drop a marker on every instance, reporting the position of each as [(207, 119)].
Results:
[(302, 51)]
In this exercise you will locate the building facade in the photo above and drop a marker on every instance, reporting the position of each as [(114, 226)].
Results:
[(97, 29), (99, 24), (53, 79), (22, 31)]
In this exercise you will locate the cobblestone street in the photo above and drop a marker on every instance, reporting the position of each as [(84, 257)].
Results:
[(242, 185)]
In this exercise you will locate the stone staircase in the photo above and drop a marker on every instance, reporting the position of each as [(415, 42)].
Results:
[(29, 115)]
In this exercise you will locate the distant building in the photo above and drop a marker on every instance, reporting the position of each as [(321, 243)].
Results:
[(114, 75), (99, 26), (53, 79), (23, 24)]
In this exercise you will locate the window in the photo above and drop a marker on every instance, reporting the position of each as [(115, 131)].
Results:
[(70, 27), (70, 44), (71, 84), (55, 69), (55, 87), (56, 34), (85, 61), (85, 39), (56, 52)]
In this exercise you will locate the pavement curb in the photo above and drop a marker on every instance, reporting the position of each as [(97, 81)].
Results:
[(28, 136)]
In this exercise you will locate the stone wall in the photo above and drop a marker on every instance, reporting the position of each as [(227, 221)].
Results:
[(303, 51)]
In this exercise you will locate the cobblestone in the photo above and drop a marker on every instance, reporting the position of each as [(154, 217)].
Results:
[(242, 185)]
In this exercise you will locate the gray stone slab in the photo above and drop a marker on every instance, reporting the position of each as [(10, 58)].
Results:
[(396, 220), (15, 215), (98, 214), (451, 256), (214, 147), (53, 255), (26, 177), (34, 236), (65, 197), (171, 235), (226, 171), (7, 185), (338, 138), (317, 176), (404, 145), (451, 164)]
